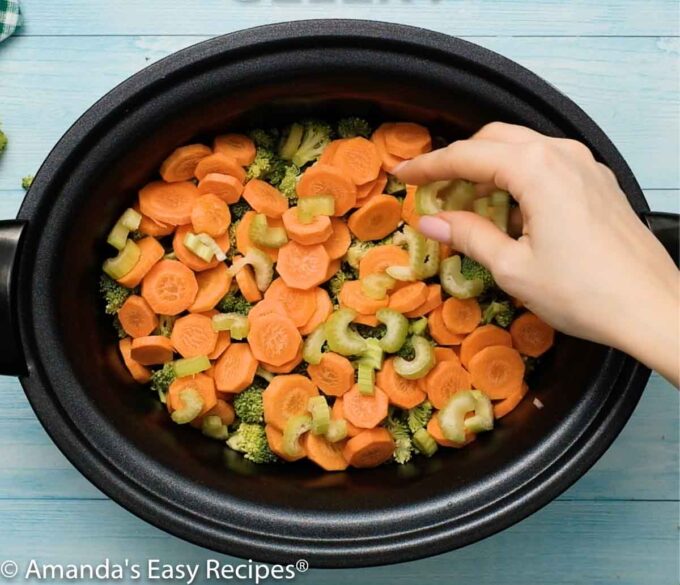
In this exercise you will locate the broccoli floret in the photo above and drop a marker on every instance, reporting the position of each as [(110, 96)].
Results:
[(288, 183), (238, 210), (471, 269), (251, 440), (3, 141), (394, 186), (366, 331), (265, 138), (113, 293), (501, 312), (265, 159), (165, 325), (26, 182), (162, 378), (354, 126), (418, 416), (248, 405), (233, 302), (118, 326), (403, 450), (315, 138)]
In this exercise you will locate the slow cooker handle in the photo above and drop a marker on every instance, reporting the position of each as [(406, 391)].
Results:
[(666, 227), (12, 361)]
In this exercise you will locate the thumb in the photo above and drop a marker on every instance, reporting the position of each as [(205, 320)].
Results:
[(469, 233)]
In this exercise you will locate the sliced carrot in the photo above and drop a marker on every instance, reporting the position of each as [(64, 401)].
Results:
[(243, 241), (213, 284), (180, 165), (368, 320), (138, 372), (378, 259), (299, 304), (435, 430), (340, 239), (303, 267), (245, 279), (226, 187), (377, 219), (531, 336), (151, 350), (222, 409), (286, 368), (401, 392), (369, 448), (210, 215), (438, 330), (497, 370), (507, 405), (235, 370), (480, 338), (151, 227), (407, 140), (219, 163), (328, 456), (409, 297), (444, 380), (333, 267), (445, 354), (323, 179), (389, 161), (170, 287), (150, 253), (287, 396), (315, 232), (376, 187), (352, 295), (328, 153), (137, 317), (365, 411), (334, 374), (324, 308), (203, 384), (358, 159), (264, 198), (188, 258), (274, 339), (168, 203), (461, 315), (275, 440), (237, 146), (338, 413), (193, 335), (408, 207), (433, 300), (223, 342), (265, 307)]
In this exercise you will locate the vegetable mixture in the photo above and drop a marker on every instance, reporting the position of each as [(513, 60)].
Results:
[(273, 291)]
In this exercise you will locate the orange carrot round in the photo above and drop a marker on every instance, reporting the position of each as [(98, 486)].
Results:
[(150, 252), (531, 336), (151, 227), (235, 369), (328, 153), (223, 342), (243, 241), (213, 284), (444, 380), (389, 161), (237, 146), (170, 288), (324, 308), (433, 300), (507, 405), (369, 448), (461, 315), (401, 392), (275, 440), (180, 165), (285, 397), (168, 203), (368, 320), (376, 219), (480, 338), (497, 370), (315, 232), (287, 367), (358, 159), (299, 304), (439, 331), (193, 335), (264, 198), (138, 372), (204, 385), (369, 190), (188, 258), (365, 411), (274, 339), (435, 430), (323, 179), (210, 215), (137, 317), (328, 456), (219, 163), (302, 267), (378, 259), (334, 374), (245, 279), (409, 297), (226, 187), (151, 350), (407, 140), (338, 413), (351, 295), (340, 239)]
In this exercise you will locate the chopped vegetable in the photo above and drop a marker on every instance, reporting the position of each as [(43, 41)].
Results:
[(321, 415), (422, 362), (192, 366)]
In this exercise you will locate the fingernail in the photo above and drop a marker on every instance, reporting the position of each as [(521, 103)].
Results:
[(399, 167), (435, 228)]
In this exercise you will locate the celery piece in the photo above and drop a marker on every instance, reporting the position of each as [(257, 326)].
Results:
[(122, 264), (262, 264), (419, 326), (483, 417), (190, 366), (454, 283), (337, 430), (499, 211), (291, 141), (264, 374), (260, 233), (131, 219), (213, 245), (425, 442), (430, 265), (458, 195), (452, 416), (366, 379), (427, 198), (402, 273), (422, 362), (127, 223), (194, 244), (235, 323), (375, 286), (192, 405), (321, 414), (311, 348), (417, 250), (310, 207), (341, 339), (296, 426), (213, 427), (373, 354), (481, 206), (397, 329)]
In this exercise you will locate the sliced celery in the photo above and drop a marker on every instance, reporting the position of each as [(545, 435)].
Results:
[(311, 348), (213, 245), (264, 374), (427, 198), (260, 233), (499, 211), (366, 379), (131, 219), (422, 362), (454, 283), (452, 416), (430, 265), (122, 264), (373, 354), (417, 253), (296, 426), (375, 286), (310, 207), (444, 196), (341, 339), (337, 430), (419, 326), (425, 442), (127, 223), (235, 323), (483, 417), (213, 427), (192, 405), (291, 142), (194, 244), (321, 414), (481, 206), (191, 366), (402, 273), (397, 329), (262, 264)]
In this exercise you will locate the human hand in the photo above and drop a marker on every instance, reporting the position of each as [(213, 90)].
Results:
[(584, 263)]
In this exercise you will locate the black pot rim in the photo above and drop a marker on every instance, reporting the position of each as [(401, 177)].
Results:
[(547, 483)]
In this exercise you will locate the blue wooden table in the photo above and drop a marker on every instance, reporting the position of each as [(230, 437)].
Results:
[(618, 59)]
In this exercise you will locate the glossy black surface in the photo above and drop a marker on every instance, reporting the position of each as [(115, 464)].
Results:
[(119, 436)]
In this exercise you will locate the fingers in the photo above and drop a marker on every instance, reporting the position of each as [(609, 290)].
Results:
[(503, 132)]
